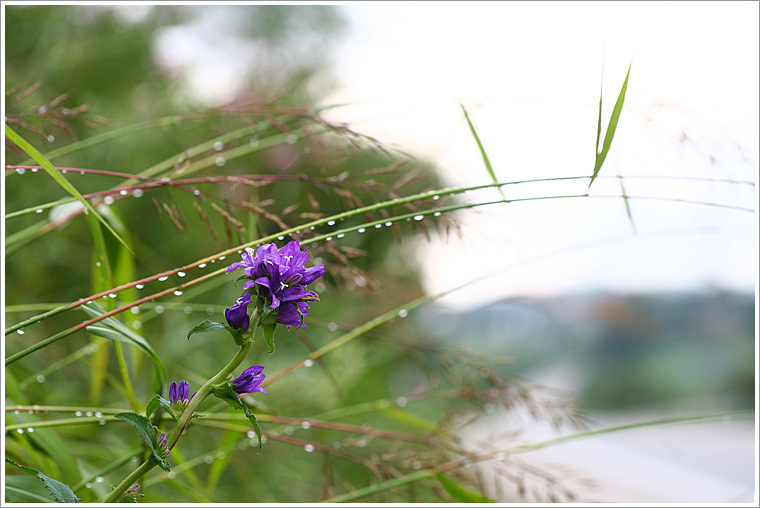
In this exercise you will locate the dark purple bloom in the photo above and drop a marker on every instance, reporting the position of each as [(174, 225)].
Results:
[(237, 315), (250, 380), (179, 392), (280, 277)]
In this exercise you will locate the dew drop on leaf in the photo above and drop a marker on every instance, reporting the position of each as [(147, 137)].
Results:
[(78, 413), (137, 193), (40, 378), (208, 459), (218, 146), (308, 362), (308, 447), (20, 171), (305, 425), (403, 313), (123, 192)]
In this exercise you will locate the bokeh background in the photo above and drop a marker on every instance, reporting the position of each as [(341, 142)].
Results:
[(641, 316)]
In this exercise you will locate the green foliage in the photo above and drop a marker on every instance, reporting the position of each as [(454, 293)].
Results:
[(61, 492), (148, 434)]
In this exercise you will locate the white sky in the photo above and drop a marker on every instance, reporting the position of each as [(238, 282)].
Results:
[(529, 73)]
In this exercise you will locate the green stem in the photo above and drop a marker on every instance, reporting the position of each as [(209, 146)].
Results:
[(125, 377), (184, 418)]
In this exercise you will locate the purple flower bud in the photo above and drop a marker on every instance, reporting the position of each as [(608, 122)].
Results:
[(133, 489), (250, 380), (179, 393), (237, 315), (162, 445)]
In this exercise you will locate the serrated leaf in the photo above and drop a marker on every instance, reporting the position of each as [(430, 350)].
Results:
[(113, 329), (231, 397), (61, 492), (145, 428), (268, 330), (206, 326), (156, 402), (459, 491)]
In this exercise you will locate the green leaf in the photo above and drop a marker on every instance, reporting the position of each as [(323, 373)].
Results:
[(225, 392), (25, 489), (459, 491), (112, 329), (268, 330), (156, 402), (61, 492), (611, 127), (482, 149), (206, 326), (58, 177), (148, 434)]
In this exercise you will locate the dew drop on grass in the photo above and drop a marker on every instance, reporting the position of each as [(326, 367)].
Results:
[(40, 378), (88, 485), (291, 139), (161, 279), (305, 425), (137, 193), (341, 235), (419, 217), (15, 412), (178, 293), (202, 265), (88, 413), (20, 171), (98, 414), (220, 455), (329, 238), (331, 223), (336, 444), (133, 459), (403, 313), (159, 309), (112, 295), (401, 402), (281, 238), (389, 224), (254, 142), (332, 326), (81, 172), (30, 429), (208, 459), (222, 258), (308, 362), (78, 413), (139, 286), (20, 431), (416, 465), (20, 332), (171, 474), (108, 200), (251, 434), (123, 192), (51, 139), (436, 198), (308, 447), (101, 422), (39, 210), (210, 311), (136, 325), (220, 161), (181, 274), (378, 226), (99, 479), (437, 214), (289, 430), (362, 230), (188, 309), (135, 310), (218, 146)]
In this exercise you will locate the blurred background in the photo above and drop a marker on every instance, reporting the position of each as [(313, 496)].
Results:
[(639, 308)]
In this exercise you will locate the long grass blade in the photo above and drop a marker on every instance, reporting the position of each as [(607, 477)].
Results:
[(482, 149)]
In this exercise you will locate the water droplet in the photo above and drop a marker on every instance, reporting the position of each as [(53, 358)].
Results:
[(51, 138), (220, 161), (171, 474), (98, 414), (161, 279), (159, 309), (99, 479), (340, 235), (332, 326), (416, 465), (88, 485), (135, 310), (291, 139), (218, 146), (254, 142), (40, 378), (20, 171), (112, 295), (137, 193), (181, 274), (210, 311), (378, 226), (20, 331), (222, 258), (289, 430), (30, 429), (64, 171), (178, 293), (331, 223), (108, 200), (139, 286), (123, 192), (251, 434), (188, 309), (101, 422), (208, 459), (20, 431), (133, 459), (136, 325), (281, 238), (336, 444), (437, 214), (419, 217), (88, 413), (308, 362), (15, 412), (97, 263), (305, 425), (308, 447), (220, 455), (78, 413), (403, 313), (388, 224), (202, 265), (401, 402), (436, 198), (81, 172), (38, 210)]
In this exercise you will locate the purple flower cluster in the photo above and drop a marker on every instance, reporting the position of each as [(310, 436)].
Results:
[(280, 277), (180, 394), (250, 380)]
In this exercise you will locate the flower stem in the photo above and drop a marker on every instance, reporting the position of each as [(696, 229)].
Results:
[(184, 418)]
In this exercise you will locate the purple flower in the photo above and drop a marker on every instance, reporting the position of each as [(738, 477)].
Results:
[(180, 394), (237, 315), (133, 489), (280, 277), (250, 380), (161, 445)]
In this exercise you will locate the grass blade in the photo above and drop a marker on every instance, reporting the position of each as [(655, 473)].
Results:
[(482, 149)]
